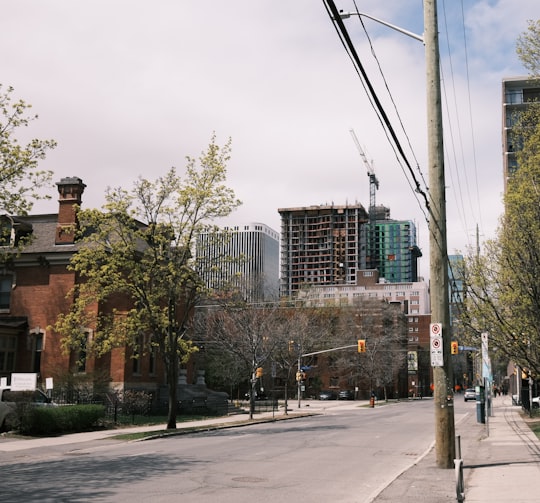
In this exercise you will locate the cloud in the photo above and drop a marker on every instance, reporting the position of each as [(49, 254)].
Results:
[(129, 88)]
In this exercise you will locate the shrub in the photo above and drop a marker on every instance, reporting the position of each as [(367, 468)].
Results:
[(63, 419), (136, 403)]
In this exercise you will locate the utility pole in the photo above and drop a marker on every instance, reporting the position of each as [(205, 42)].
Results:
[(442, 376)]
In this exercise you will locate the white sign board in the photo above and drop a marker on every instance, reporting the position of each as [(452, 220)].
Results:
[(49, 383), (23, 382), (436, 344)]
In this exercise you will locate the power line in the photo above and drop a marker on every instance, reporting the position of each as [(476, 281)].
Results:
[(374, 100)]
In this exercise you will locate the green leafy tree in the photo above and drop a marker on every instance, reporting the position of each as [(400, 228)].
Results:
[(503, 293), (139, 279), (528, 48), (20, 177), (503, 296)]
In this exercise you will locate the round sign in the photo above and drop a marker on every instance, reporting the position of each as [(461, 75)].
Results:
[(436, 343), (435, 328)]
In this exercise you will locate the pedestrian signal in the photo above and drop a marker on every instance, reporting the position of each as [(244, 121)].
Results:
[(361, 345)]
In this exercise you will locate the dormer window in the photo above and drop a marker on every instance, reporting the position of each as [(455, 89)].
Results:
[(12, 231)]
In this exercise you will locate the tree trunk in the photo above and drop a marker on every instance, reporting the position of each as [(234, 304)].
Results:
[(172, 381)]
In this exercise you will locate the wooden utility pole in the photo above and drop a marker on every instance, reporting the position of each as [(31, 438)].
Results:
[(442, 375)]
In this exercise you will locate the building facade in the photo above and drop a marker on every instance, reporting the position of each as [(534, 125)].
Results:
[(517, 94), (36, 288), (413, 296), (397, 251), (322, 245), (413, 301), (245, 258), (331, 245)]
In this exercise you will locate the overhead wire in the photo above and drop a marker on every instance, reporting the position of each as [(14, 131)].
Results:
[(374, 100), (475, 165), (389, 93), (460, 193), (387, 127)]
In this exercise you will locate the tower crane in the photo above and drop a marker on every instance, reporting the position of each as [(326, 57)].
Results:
[(373, 187), (373, 181)]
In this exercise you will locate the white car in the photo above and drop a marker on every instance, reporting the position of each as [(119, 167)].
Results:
[(470, 394)]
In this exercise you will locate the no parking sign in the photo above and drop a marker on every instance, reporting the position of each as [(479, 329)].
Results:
[(436, 344)]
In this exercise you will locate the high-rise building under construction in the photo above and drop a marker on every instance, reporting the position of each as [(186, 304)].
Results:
[(331, 244)]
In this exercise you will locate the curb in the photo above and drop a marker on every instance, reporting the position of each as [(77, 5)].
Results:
[(214, 427)]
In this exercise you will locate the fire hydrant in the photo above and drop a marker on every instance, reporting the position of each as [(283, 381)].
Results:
[(372, 401)]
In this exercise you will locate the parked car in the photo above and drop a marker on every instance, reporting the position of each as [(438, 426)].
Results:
[(9, 400), (346, 394), (327, 394), (470, 394), (258, 396), (536, 402)]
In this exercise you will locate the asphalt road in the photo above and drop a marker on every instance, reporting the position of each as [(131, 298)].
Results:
[(346, 455)]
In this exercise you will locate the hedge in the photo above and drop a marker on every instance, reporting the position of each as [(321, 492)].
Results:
[(61, 419)]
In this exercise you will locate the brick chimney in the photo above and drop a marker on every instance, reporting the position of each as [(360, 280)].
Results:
[(70, 190)]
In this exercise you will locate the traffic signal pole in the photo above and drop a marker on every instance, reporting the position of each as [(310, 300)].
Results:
[(442, 375), (299, 372)]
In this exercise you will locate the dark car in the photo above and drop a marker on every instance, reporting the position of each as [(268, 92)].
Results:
[(258, 396), (327, 394), (470, 394), (346, 394)]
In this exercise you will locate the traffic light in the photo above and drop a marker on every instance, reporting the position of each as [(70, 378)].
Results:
[(259, 372), (300, 376), (361, 345), (454, 349)]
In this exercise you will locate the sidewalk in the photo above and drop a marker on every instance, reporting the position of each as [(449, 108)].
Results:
[(501, 463), (11, 444)]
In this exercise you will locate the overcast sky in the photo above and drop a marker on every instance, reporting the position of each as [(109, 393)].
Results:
[(128, 88)]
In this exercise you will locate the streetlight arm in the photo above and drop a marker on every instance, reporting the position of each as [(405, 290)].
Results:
[(347, 15)]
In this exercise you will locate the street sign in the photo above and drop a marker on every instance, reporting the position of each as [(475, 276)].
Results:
[(436, 345)]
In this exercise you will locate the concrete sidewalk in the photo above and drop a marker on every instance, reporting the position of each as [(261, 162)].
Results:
[(501, 463), (10, 443)]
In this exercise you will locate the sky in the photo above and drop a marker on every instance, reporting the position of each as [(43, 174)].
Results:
[(129, 88)]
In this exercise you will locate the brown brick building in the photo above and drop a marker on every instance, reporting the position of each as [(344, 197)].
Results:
[(33, 290)]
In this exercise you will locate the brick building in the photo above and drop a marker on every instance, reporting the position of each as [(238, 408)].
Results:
[(33, 290)]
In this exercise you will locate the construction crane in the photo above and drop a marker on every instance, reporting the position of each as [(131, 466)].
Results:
[(373, 181), (373, 187)]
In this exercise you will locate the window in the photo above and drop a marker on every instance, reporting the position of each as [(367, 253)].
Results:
[(152, 360), (5, 292), (137, 354), (8, 348), (38, 349)]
